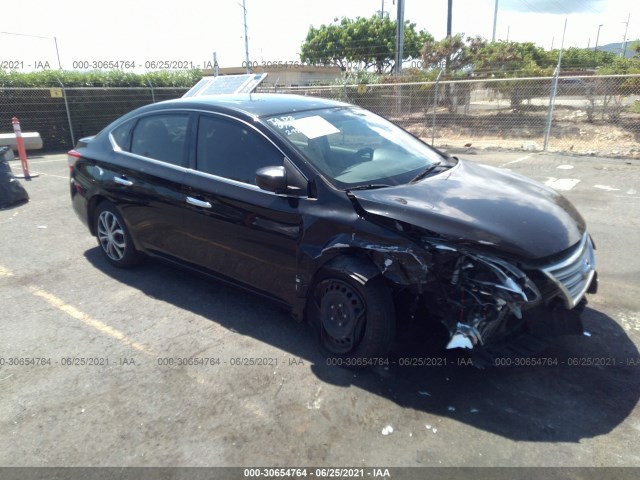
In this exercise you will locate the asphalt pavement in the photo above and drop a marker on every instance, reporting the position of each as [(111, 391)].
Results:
[(158, 367)]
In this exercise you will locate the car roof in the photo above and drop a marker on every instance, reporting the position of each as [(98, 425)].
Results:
[(255, 105)]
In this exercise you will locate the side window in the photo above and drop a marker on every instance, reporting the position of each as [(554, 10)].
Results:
[(121, 136), (161, 137), (232, 150)]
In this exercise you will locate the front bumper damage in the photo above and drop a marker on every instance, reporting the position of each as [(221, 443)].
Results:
[(490, 298), (485, 292), (481, 299)]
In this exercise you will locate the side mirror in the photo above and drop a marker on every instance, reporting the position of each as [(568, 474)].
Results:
[(272, 179)]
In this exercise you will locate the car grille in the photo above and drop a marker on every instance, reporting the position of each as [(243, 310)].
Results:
[(574, 274)]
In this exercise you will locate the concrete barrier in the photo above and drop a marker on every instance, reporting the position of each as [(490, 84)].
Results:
[(32, 140)]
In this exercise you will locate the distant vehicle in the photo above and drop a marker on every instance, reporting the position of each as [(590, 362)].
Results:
[(338, 214), (572, 86)]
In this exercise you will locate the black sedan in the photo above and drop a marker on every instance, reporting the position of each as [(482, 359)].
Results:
[(348, 220)]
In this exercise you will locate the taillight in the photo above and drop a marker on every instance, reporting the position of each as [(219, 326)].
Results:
[(72, 156)]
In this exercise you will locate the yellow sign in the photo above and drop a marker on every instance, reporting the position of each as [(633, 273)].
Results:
[(362, 88), (56, 92)]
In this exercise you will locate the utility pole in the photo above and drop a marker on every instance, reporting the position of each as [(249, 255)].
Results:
[(624, 42), (597, 38), (246, 39), (449, 14), (495, 22), (554, 90), (399, 37), (382, 8)]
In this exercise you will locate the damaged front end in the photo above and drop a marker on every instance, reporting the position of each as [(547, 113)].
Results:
[(482, 296), (484, 300)]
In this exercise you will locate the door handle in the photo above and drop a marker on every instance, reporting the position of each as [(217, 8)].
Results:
[(198, 203), (123, 181)]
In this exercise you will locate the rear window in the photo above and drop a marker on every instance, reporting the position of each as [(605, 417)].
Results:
[(161, 137), (121, 135)]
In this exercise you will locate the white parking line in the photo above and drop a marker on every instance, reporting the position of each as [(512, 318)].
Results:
[(564, 184), (48, 160), (607, 188), (52, 175), (517, 160)]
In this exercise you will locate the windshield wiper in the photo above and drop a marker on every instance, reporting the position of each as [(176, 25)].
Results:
[(370, 186), (428, 170)]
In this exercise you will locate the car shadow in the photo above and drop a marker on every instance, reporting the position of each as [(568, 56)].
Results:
[(582, 386)]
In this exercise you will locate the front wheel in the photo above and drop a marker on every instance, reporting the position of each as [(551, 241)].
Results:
[(353, 321), (113, 237)]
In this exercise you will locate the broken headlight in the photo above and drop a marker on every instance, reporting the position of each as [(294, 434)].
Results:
[(483, 292)]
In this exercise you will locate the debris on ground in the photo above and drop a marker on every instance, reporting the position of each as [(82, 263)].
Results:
[(388, 430)]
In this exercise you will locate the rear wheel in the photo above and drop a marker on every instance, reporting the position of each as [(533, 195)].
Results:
[(353, 321), (113, 237)]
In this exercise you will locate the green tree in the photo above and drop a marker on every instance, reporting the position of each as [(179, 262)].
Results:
[(361, 42), (615, 88), (581, 58), (476, 55), (509, 59), (514, 59), (452, 53)]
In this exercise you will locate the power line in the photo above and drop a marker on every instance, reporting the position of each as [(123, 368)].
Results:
[(25, 35), (55, 41)]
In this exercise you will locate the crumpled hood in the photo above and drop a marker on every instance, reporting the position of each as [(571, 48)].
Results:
[(484, 205)]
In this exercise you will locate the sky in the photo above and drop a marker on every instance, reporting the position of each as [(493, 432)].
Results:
[(144, 31)]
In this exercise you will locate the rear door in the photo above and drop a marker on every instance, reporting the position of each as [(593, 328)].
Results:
[(235, 228), (151, 156)]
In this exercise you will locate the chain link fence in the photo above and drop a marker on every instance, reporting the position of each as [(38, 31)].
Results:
[(63, 115), (596, 115)]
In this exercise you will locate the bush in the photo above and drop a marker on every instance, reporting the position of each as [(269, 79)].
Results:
[(97, 78), (27, 96)]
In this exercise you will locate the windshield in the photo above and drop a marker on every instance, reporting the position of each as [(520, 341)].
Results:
[(354, 147)]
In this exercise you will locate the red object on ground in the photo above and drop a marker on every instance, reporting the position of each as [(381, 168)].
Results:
[(21, 150)]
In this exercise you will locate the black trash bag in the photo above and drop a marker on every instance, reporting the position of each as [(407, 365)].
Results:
[(11, 192)]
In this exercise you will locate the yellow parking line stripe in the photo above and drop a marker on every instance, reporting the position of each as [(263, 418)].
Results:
[(5, 272), (87, 320), (103, 328)]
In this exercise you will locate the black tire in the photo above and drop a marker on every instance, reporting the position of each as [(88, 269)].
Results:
[(354, 323), (114, 238)]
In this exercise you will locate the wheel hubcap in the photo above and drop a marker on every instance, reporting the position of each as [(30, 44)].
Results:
[(111, 236), (342, 313)]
